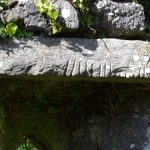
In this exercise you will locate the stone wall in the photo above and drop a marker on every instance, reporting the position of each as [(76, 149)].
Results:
[(76, 93), (104, 17), (74, 114)]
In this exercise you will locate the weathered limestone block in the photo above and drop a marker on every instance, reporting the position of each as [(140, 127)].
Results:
[(27, 11), (127, 131), (121, 133), (71, 57), (120, 19), (68, 13)]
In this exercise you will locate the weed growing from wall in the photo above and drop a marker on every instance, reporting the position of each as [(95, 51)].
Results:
[(11, 29), (25, 144), (86, 18), (46, 7)]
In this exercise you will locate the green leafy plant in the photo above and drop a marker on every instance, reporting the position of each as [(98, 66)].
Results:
[(86, 20), (22, 33), (26, 145), (81, 4), (46, 7), (86, 17), (11, 28)]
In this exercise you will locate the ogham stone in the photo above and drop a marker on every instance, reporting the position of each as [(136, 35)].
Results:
[(75, 57)]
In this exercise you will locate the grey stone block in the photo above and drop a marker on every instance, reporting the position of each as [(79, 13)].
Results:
[(27, 12), (119, 19), (72, 57), (68, 14)]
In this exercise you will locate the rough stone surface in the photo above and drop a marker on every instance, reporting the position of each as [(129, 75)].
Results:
[(119, 19), (68, 13), (27, 12), (122, 133), (127, 131), (71, 57), (33, 20)]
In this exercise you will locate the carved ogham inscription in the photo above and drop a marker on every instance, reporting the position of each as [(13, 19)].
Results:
[(75, 57)]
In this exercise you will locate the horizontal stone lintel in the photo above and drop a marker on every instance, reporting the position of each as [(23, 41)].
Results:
[(75, 57)]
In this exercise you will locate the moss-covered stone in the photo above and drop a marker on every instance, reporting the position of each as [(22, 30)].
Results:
[(46, 110)]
